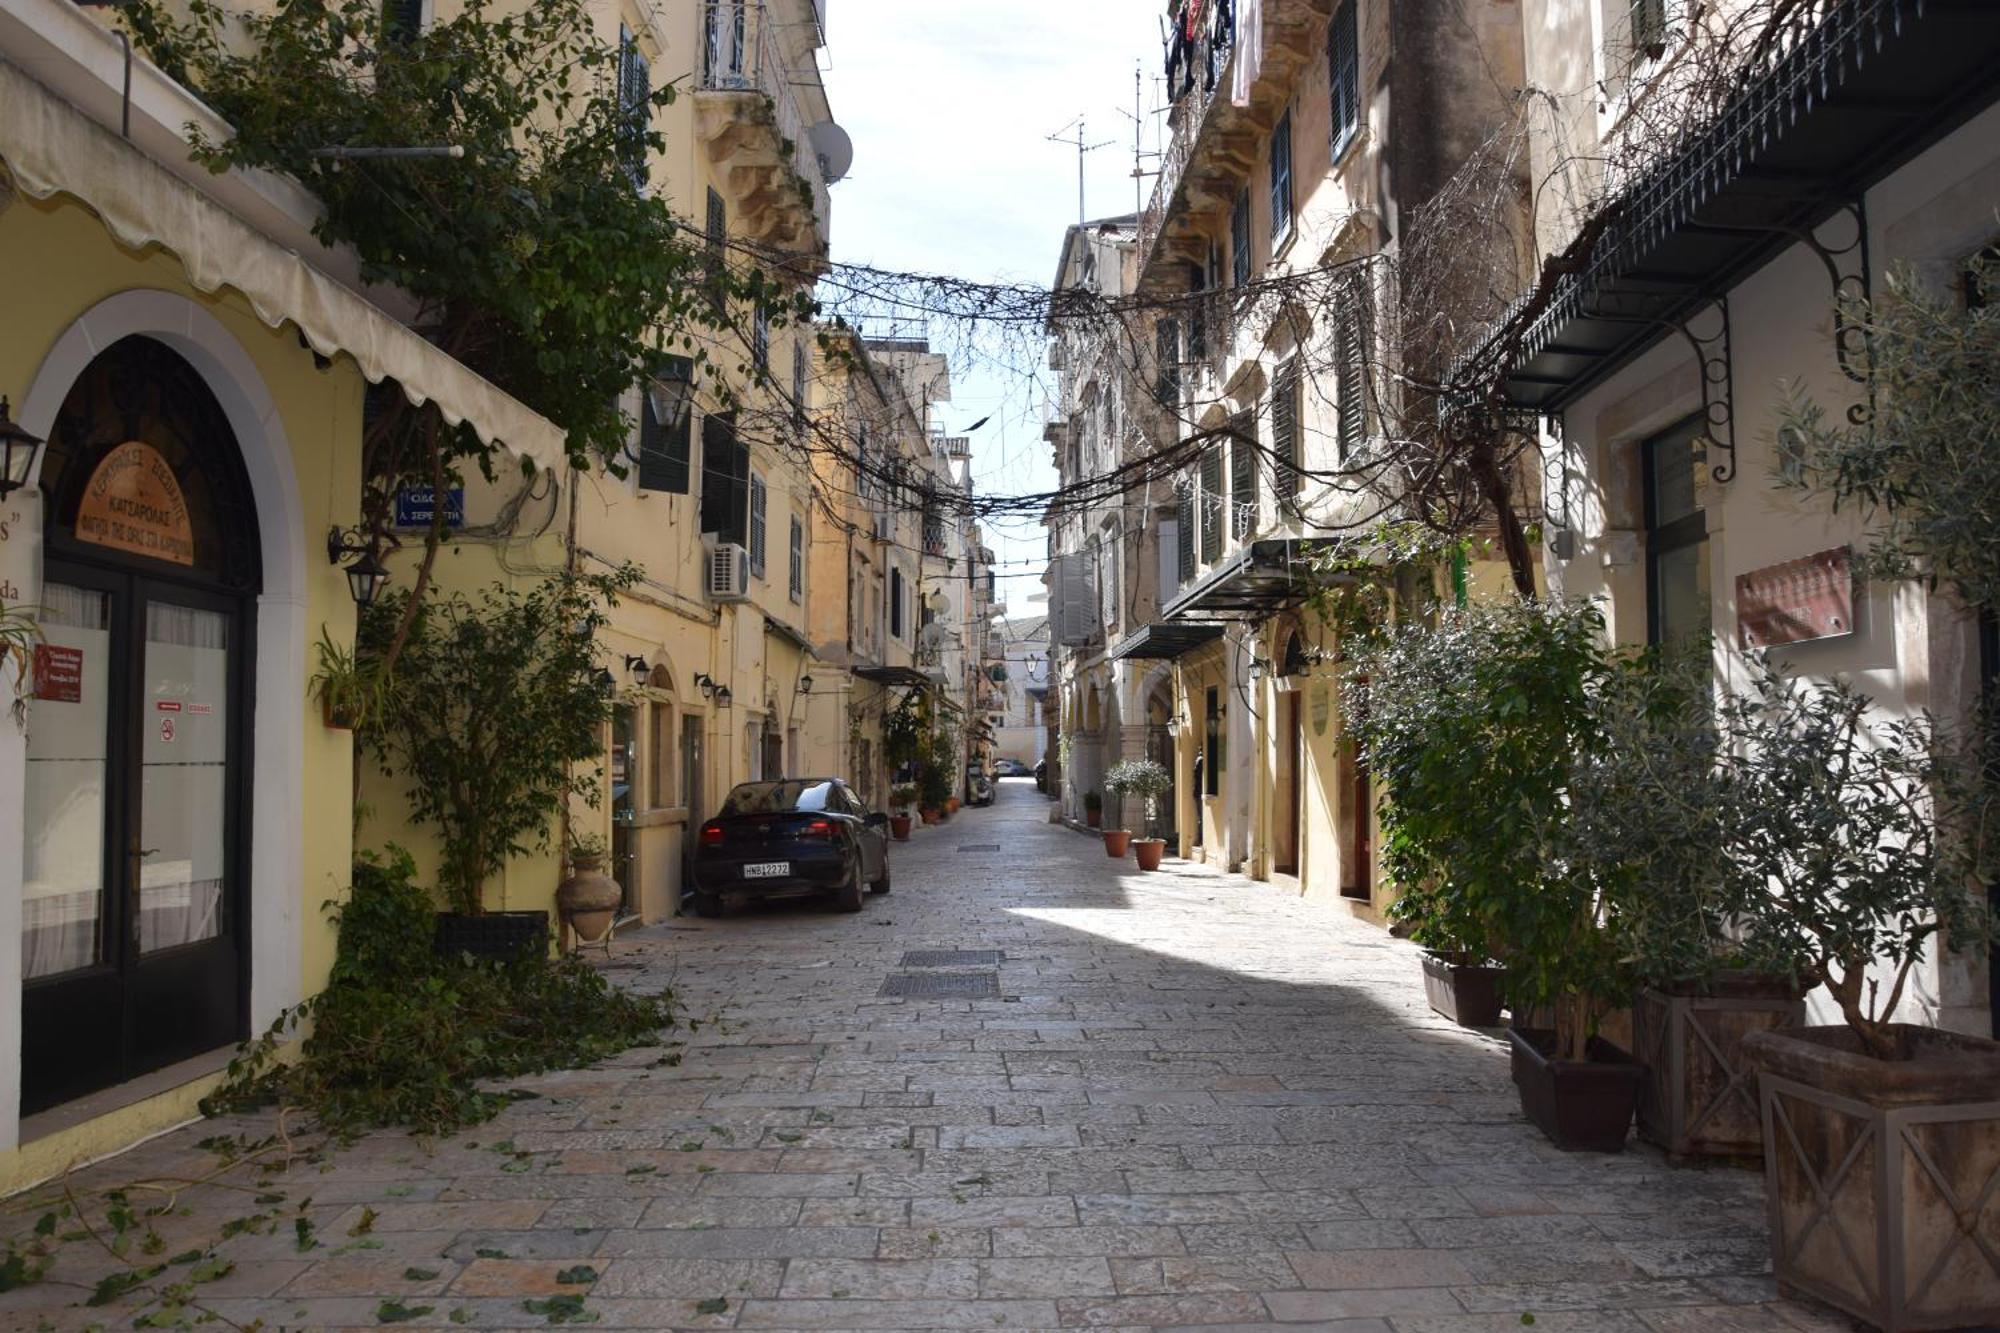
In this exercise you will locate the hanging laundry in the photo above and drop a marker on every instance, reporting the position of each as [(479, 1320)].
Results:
[(1249, 50)]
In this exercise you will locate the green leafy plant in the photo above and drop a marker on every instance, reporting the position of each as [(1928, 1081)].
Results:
[(401, 1036), (903, 731), (587, 847), (1147, 779), (20, 635), (350, 693), (1854, 840), (1919, 464), (1474, 729), (1093, 801), (902, 796), (497, 706)]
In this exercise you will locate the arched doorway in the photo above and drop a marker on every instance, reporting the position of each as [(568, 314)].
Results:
[(135, 910)]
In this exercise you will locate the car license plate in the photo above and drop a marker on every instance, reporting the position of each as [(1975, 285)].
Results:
[(767, 870)]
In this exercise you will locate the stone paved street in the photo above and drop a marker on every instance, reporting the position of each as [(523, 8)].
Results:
[(1193, 1103)]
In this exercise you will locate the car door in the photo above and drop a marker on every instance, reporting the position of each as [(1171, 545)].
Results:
[(874, 839)]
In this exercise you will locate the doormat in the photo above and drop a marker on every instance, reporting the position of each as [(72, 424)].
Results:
[(979, 846), (953, 958), (942, 986)]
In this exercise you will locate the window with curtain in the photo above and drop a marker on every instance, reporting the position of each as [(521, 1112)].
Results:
[(1343, 63), (63, 846), (1281, 180), (661, 741)]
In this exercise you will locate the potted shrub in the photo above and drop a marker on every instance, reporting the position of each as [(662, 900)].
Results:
[(1862, 844), (933, 791), (349, 693), (588, 898), (902, 798), (1503, 699), (1148, 780), (492, 792), (1647, 808), (1093, 809)]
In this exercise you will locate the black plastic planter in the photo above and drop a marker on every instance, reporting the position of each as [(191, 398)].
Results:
[(1582, 1105), (1463, 991), (505, 936)]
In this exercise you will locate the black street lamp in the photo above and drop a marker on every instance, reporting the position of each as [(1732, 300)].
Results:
[(367, 576), (670, 391), (17, 453)]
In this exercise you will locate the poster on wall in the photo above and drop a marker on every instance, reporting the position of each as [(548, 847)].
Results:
[(58, 674), (133, 502), (1798, 601)]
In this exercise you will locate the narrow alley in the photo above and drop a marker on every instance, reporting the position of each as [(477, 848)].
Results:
[(1109, 1100)]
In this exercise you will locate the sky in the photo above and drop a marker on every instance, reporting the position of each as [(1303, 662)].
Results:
[(949, 104)]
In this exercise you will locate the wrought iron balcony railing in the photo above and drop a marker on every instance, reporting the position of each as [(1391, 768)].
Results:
[(743, 52)]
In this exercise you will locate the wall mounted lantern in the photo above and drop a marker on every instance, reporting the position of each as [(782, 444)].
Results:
[(607, 684), (670, 391), (367, 575), (640, 668), (705, 683), (17, 453), (805, 684), (722, 699)]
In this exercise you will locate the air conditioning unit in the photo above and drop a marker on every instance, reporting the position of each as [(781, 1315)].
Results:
[(728, 573)]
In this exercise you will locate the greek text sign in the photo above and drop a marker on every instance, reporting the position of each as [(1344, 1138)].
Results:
[(133, 502), (1798, 601), (416, 507)]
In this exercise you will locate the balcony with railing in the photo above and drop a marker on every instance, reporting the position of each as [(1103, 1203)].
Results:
[(759, 127), (1213, 144)]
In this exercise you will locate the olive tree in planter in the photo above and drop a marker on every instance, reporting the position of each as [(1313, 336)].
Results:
[(493, 727), (1647, 820), (1862, 843), (1149, 780)]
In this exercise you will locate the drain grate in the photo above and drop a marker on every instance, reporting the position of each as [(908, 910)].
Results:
[(942, 985), (979, 847), (953, 958)]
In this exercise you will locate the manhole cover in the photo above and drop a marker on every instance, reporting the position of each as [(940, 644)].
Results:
[(943, 985), (979, 847), (953, 958)]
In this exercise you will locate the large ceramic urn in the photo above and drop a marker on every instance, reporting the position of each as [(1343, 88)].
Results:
[(589, 898)]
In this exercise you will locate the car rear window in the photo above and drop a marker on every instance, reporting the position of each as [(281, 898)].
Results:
[(773, 798)]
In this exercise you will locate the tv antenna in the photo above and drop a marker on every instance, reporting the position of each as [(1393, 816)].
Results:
[(1137, 115), (1083, 147)]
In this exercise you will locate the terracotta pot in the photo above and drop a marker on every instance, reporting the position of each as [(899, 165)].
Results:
[(929, 817), (335, 720), (1700, 1095), (588, 900), (951, 806), (1148, 851), (1463, 989), (1582, 1105), (1116, 841), (1875, 1172), (899, 827), (1093, 817)]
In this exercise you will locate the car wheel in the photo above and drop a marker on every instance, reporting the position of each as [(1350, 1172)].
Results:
[(881, 885), (848, 897)]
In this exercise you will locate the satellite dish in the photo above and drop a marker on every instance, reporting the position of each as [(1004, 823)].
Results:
[(835, 149)]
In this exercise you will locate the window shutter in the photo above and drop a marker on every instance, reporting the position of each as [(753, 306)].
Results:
[(1239, 240), (799, 356), (635, 92), (725, 484), (1350, 382), (1242, 475), (759, 503), (1056, 597), (1211, 502), (1198, 314), (895, 603), (1343, 61), (663, 454), (402, 20), (1285, 428), (1281, 179), (798, 559), (1167, 390), (760, 337), (717, 234), (1184, 536), (1649, 27)]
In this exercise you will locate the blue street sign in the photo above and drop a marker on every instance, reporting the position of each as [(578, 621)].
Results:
[(416, 507)]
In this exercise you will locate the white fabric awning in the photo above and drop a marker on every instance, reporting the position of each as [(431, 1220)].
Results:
[(49, 148)]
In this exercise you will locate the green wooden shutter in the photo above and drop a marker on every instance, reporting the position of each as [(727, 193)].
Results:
[(1350, 380), (1184, 535), (1211, 502), (760, 500), (1343, 61), (1285, 428), (725, 479), (1242, 475)]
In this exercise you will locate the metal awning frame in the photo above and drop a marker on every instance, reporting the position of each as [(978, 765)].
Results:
[(1260, 580), (1165, 640)]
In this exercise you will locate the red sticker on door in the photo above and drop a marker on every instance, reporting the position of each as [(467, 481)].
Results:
[(58, 673), (167, 705)]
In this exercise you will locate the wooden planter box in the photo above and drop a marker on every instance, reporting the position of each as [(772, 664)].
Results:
[(1700, 1097), (1463, 991), (505, 936), (1882, 1176), (1582, 1105)]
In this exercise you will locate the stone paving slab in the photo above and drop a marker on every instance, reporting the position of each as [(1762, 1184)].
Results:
[(1193, 1103)]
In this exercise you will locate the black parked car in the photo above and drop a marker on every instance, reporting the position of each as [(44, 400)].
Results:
[(791, 838)]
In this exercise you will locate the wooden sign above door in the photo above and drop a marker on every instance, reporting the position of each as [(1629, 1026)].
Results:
[(133, 502)]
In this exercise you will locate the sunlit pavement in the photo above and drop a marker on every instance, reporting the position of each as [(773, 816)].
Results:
[(1184, 1101)]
